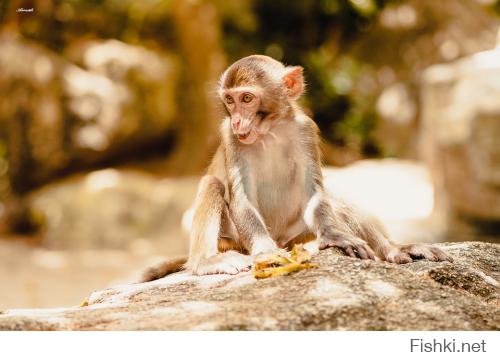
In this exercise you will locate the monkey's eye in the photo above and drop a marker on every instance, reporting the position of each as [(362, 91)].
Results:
[(247, 98), (229, 99)]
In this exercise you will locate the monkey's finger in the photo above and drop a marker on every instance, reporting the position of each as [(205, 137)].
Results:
[(402, 258), (324, 245), (369, 253), (441, 256), (419, 252), (229, 271), (349, 251), (360, 252), (224, 269), (365, 253)]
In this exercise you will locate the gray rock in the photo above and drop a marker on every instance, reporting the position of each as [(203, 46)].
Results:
[(459, 137), (341, 294), (110, 209)]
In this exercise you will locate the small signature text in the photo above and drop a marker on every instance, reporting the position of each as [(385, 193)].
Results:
[(25, 10)]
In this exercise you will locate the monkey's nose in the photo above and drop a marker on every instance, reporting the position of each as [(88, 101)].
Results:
[(236, 125)]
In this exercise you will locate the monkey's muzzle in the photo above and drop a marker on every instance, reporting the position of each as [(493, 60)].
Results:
[(244, 136)]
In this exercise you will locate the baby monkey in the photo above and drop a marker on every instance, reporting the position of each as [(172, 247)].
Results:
[(264, 188)]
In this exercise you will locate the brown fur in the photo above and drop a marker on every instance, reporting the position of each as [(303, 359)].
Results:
[(264, 188), (248, 71)]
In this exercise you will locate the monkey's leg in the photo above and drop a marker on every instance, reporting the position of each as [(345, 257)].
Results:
[(210, 221), (374, 233)]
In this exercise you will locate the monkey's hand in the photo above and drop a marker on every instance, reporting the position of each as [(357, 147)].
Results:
[(230, 262), (350, 245), (412, 252)]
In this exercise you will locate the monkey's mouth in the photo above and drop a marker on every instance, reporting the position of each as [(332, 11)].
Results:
[(248, 137), (244, 136)]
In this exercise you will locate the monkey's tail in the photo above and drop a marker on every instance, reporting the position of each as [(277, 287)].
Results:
[(163, 269)]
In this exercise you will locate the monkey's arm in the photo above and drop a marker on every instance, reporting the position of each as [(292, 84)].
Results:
[(249, 223), (318, 213), (252, 230), (348, 229)]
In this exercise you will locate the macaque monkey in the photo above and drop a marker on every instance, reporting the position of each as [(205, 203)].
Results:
[(264, 189)]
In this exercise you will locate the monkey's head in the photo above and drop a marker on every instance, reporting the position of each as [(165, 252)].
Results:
[(256, 91)]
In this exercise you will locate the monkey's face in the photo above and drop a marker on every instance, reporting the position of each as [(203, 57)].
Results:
[(243, 105), (256, 91)]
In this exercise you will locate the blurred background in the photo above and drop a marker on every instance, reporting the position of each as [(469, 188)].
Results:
[(108, 117)]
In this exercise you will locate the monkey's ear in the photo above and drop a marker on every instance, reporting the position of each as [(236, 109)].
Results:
[(293, 80)]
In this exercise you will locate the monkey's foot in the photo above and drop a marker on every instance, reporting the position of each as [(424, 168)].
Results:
[(352, 246), (412, 252), (230, 262)]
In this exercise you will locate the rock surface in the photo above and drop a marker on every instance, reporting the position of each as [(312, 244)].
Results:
[(342, 294)]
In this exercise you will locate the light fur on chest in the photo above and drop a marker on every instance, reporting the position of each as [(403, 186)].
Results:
[(276, 172)]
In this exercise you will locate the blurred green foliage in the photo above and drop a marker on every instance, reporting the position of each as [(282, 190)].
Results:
[(319, 35), (314, 34)]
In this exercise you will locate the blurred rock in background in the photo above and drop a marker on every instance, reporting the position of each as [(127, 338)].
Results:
[(111, 209), (407, 37), (84, 99), (460, 140), (58, 115)]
